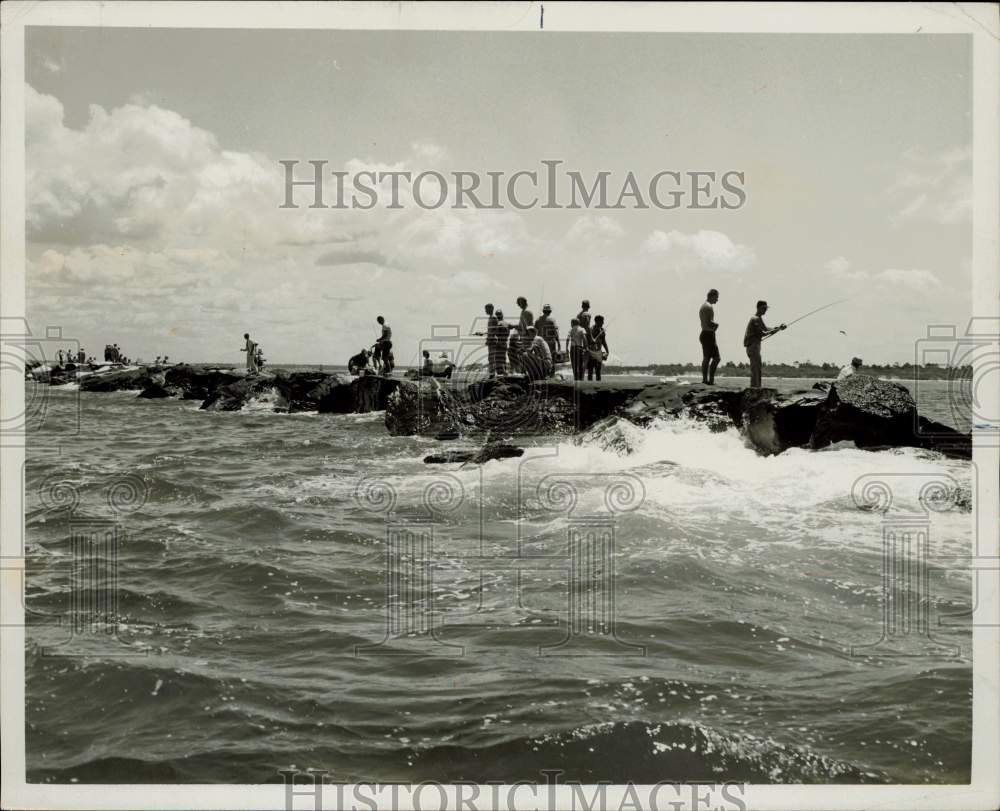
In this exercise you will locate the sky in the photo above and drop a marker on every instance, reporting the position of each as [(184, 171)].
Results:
[(153, 187)]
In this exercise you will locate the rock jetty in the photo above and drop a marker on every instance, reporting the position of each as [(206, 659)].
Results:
[(865, 410)]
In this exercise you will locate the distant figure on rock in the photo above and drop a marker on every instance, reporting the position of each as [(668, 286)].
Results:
[(598, 351), (258, 359), (498, 348), (358, 364), (756, 332), (250, 347), (490, 335), (81, 356), (576, 348), (853, 368), (584, 315), (710, 356)]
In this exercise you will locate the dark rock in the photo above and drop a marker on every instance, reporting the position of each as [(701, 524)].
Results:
[(122, 380), (773, 423), (155, 390), (877, 413), (195, 382), (944, 439), (868, 411), (261, 391), (492, 450)]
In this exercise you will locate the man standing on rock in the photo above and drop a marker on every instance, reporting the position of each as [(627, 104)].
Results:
[(250, 347), (756, 332), (500, 329), (383, 347), (548, 331), (491, 339), (709, 346)]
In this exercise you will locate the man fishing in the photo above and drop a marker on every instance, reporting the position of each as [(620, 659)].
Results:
[(756, 332), (710, 356)]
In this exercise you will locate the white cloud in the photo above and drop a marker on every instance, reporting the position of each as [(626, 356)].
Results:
[(920, 280), (704, 250), (840, 269), (594, 229), (933, 187)]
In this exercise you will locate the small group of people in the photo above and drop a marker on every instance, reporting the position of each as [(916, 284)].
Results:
[(379, 358), (79, 357), (161, 361), (254, 354), (533, 347), (755, 333), (113, 354)]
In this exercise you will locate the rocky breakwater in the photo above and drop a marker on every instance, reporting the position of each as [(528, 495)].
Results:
[(863, 410), (232, 390), (292, 392), (503, 406), (869, 412)]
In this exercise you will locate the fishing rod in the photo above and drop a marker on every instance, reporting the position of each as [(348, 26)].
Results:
[(812, 312)]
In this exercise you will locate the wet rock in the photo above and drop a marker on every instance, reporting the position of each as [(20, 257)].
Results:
[(260, 392), (120, 380), (490, 451), (614, 434), (773, 423), (195, 382)]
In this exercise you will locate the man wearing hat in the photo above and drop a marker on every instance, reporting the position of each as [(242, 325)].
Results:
[(548, 331), (584, 315)]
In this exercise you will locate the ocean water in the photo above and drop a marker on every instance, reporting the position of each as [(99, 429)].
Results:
[(715, 629)]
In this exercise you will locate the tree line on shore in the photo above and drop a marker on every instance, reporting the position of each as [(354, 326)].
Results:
[(904, 371)]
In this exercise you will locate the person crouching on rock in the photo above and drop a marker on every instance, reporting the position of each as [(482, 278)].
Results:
[(537, 360), (576, 346), (358, 363), (852, 369)]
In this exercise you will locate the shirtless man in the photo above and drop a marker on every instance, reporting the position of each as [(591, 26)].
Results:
[(709, 346)]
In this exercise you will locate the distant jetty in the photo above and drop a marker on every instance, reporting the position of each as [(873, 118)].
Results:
[(865, 410)]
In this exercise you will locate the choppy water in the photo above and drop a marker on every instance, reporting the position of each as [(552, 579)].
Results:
[(253, 566)]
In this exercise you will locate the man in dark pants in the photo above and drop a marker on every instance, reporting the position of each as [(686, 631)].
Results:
[(383, 348), (549, 332), (756, 332), (709, 346), (598, 344), (576, 345)]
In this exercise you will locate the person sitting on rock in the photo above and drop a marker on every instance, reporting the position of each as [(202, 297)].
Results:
[(853, 368), (358, 364)]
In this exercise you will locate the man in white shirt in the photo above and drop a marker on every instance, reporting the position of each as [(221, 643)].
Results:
[(847, 371)]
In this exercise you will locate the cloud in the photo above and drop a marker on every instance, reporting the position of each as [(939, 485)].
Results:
[(933, 187), (594, 229), (351, 256), (704, 250), (920, 280), (840, 269)]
